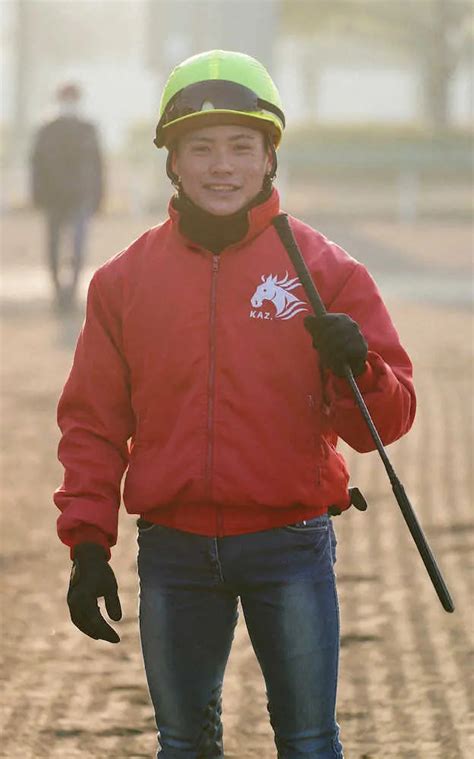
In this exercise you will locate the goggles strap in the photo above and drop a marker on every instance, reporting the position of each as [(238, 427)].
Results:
[(266, 106)]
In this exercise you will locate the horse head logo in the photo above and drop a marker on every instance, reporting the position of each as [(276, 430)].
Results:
[(278, 291)]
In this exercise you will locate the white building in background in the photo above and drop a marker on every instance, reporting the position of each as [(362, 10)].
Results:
[(121, 51), (340, 80)]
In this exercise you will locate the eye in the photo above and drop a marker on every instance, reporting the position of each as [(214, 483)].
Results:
[(200, 149), (242, 147)]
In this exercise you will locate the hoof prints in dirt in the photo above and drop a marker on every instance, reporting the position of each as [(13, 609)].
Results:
[(348, 640), (111, 732), (343, 578)]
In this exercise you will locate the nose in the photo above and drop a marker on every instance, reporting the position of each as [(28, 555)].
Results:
[(222, 162)]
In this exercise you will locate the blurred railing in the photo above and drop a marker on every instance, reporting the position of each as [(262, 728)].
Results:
[(414, 168)]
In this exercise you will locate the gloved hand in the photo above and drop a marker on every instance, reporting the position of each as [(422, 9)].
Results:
[(91, 578), (339, 341)]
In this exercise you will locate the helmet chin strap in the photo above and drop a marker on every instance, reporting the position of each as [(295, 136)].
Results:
[(175, 180), (267, 181)]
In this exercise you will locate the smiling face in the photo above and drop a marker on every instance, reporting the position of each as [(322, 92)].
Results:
[(222, 168)]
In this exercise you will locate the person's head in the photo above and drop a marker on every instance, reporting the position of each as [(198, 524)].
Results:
[(221, 120), (68, 93), (221, 168)]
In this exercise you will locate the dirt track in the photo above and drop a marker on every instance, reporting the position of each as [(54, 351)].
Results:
[(404, 685)]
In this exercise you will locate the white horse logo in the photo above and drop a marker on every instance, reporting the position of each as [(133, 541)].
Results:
[(278, 291)]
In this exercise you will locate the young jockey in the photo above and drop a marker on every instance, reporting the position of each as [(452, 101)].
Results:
[(194, 373)]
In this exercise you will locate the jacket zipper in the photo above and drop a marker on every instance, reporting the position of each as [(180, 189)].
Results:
[(211, 386)]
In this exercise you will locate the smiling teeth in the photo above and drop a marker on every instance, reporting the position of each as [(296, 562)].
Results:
[(220, 187)]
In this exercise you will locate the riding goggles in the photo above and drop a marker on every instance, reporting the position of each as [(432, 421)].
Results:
[(213, 95)]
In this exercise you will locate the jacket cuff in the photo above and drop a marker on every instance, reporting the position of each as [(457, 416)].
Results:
[(340, 388), (89, 534)]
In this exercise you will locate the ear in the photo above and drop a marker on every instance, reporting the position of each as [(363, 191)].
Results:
[(270, 162)]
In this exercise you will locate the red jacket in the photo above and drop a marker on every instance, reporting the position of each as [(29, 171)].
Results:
[(194, 371)]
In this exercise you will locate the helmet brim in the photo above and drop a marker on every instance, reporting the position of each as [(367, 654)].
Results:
[(172, 132)]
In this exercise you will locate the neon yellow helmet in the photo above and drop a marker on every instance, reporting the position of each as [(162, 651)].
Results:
[(222, 87)]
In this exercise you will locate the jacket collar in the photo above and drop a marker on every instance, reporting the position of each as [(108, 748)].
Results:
[(259, 218)]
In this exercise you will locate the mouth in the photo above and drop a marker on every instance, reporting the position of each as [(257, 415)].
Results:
[(222, 188)]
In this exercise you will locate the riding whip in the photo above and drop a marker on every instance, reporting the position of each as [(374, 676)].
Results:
[(286, 236)]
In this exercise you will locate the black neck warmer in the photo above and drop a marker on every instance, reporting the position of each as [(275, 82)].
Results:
[(215, 233)]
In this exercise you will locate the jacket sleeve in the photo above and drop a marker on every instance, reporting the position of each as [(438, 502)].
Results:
[(96, 420), (386, 384)]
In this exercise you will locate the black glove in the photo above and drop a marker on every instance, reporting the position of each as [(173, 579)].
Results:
[(339, 341), (91, 578)]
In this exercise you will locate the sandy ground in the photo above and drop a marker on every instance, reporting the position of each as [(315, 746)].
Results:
[(405, 689)]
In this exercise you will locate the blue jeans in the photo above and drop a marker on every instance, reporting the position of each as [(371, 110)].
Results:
[(189, 589), (75, 221)]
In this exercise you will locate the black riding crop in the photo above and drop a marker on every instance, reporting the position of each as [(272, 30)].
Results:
[(285, 234)]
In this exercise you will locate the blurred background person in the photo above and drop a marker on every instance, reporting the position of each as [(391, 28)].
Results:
[(67, 185)]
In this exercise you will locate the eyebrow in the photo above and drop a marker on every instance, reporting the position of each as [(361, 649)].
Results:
[(243, 137), (234, 138)]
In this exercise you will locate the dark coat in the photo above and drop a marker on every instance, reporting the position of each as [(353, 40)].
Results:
[(66, 166)]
